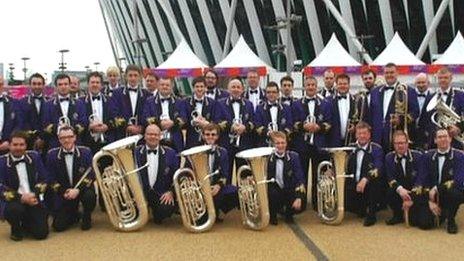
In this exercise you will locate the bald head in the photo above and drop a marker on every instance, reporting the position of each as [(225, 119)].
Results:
[(152, 135), (422, 82), (235, 88)]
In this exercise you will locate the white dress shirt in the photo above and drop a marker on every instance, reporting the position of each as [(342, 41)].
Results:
[(198, 105), (165, 108), (236, 109), (24, 186), (403, 166), (344, 111), (133, 99), (153, 161), (441, 162), (359, 160), (64, 105), (279, 175), (254, 98), (421, 101), (97, 107), (37, 103), (69, 160), (311, 105), (442, 94), (273, 112), (387, 96)]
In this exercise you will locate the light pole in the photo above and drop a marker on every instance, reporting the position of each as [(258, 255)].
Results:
[(96, 66), (25, 59), (62, 64), (11, 74), (87, 68)]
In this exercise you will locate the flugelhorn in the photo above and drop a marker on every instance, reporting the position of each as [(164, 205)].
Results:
[(252, 182), (444, 116), (331, 186), (120, 186), (193, 190)]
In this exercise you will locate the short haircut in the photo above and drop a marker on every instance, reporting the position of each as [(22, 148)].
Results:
[(37, 75), (272, 84), (444, 70), (67, 128), (211, 127), (286, 79), (342, 76), (133, 67), (441, 129), (310, 78), (252, 71), (112, 70), (369, 71), (18, 135), (278, 135), (94, 74), (198, 80), (211, 71), (165, 78), (329, 71), (61, 77), (399, 133), (390, 65), (153, 74), (363, 125)]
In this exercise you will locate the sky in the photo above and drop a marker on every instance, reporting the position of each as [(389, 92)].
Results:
[(39, 28)]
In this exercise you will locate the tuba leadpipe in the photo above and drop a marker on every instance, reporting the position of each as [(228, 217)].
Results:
[(120, 186), (252, 182), (331, 186), (193, 190), (401, 110)]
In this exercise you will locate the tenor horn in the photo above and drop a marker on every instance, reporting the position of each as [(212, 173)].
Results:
[(331, 186), (444, 116), (120, 186), (193, 191), (252, 183)]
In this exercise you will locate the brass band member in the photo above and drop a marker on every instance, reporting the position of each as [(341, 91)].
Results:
[(151, 83), (287, 193), (286, 91), (23, 181), (366, 163), (67, 166), (368, 78), (329, 84), (422, 138), (112, 75), (444, 175)]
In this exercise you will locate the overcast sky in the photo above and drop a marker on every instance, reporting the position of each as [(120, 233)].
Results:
[(39, 28)]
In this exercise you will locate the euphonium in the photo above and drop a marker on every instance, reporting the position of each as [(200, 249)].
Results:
[(193, 190), (444, 116), (401, 109), (331, 186), (120, 186), (252, 182)]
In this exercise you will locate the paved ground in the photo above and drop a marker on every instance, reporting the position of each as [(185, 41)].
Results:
[(308, 239)]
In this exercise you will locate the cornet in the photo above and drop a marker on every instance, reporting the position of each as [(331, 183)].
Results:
[(63, 121), (235, 137), (165, 134), (194, 122), (132, 122), (309, 136), (97, 136), (271, 127)]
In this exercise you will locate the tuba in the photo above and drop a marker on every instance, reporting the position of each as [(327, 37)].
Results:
[(444, 116), (120, 186), (401, 109), (193, 190), (331, 186), (252, 183)]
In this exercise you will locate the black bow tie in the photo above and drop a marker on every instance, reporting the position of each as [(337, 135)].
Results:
[(442, 154), (253, 91), (307, 100), (64, 99), (236, 100), (2, 98), (16, 162), (37, 97), (444, 93), (210, 91), (96, 97), (389, 88), (341, 96), (399, 158), (272, 105), (358, 149), (152, 151), (198, 101), (68, 153), (132, 89), (286, 99), (279, 157), (164, 99), (212, 152), (421, 95)]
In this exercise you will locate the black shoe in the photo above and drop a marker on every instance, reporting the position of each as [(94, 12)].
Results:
[(289, 219), (452, 228), (219, 220), (369, 221), (16, 234), (394, 220), (157, 221), (86, 223), (273, 221)]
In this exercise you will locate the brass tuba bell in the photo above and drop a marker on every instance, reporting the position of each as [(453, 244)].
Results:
[(193, 190), (120, 186), (331, 186), (252, 182)]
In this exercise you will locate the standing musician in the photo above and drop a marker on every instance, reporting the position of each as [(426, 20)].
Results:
[(201, 110), (272, 116), (287, 193), (213, 91), (368, 78), (151, 83), (67, 166), (23, 181), (98, 114), (329, 84), (454, 99), (312, 119), (345, 113), (286, 90), (127, 104), (402, 167), (9, 120), (424, 95), (168, 113), (112, 74), (444, 175), (224, 195), (32, 109), (75, 87), (390, 109), (253, 92), (63, 110), (238, 124), (156, 179), (366, 163)]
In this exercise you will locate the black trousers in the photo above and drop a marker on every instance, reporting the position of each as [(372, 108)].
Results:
[(361, 203), (68, 213), (32, 219), (395, 202), (225, 201), (159, 211), (238, 162), (316, 156), (281, 201), (449, 200)]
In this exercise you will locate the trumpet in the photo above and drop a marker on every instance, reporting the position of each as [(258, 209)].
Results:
[(193, 190), (63, 121), (252, 182), (165, 134), (93, 118), (331, 186), (133, 121), (234, 138), (195, 117), (309, 136), (401, 110), (271, 127)]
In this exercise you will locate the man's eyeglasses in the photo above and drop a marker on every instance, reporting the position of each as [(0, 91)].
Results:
[(210, 134)]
